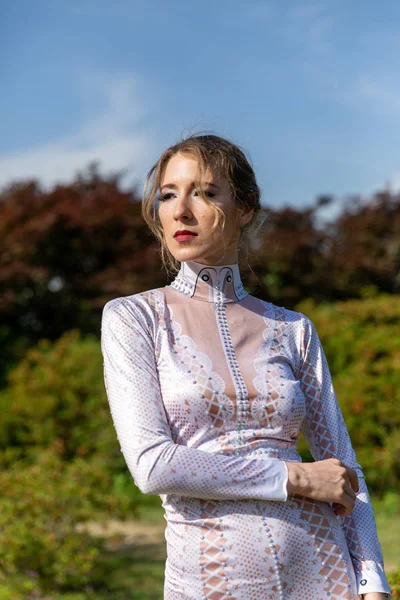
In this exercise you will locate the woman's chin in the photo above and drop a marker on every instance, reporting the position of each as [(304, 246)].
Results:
[(186, 253)]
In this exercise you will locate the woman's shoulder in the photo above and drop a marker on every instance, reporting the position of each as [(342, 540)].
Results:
[(298, 326), (139, 306), (138, 299), (282, 314)]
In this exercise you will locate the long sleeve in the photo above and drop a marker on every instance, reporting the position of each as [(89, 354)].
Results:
[(156, 463), (327, 437)]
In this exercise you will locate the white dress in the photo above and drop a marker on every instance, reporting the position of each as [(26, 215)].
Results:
[(208, 389)]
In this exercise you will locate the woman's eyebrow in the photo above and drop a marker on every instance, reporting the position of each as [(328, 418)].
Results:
[(175, 187)]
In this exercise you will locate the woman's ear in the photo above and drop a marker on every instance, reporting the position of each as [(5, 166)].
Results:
[(246, 217)]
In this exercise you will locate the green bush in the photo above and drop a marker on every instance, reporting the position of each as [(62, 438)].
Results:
[(41, 546), (55, 398), (394, 582), (60, 465), (361, 339)]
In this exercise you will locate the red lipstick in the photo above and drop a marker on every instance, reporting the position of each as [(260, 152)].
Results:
[(184, 234)]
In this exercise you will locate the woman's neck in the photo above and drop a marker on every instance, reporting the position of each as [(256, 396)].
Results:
[(219, 284)]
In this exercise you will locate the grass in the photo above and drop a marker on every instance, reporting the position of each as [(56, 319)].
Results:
[(387, 515), (137, 573)]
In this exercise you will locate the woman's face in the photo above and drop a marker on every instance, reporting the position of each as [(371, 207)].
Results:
[(182, 208)]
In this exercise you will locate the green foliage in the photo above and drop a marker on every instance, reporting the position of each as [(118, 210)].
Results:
[(68, 250), (42, 505), (16, 349), (394, 582), (361, 339), (56, 399), (144, 505), (60, 465)]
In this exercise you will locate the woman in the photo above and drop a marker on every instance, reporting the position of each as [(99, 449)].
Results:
[(209, 388)]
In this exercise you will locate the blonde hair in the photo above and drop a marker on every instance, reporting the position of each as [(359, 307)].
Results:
[(215, 153)]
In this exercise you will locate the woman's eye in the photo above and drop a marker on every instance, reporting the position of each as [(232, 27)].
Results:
[(166, 196), (207, 193), (169, 195)]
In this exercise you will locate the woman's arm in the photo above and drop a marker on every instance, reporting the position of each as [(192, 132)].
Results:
[(328, 438), (157, 464)]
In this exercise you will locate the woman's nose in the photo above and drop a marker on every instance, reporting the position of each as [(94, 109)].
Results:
[(182, 206)]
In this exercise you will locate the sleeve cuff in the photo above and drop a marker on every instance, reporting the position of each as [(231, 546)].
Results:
[(284, 482), (370, 580), (276, 483)]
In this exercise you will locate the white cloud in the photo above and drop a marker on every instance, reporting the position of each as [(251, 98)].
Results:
[(366, 85), (363, 92), (394, 183), (111, 134)]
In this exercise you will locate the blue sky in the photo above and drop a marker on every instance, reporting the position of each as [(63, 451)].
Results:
[(310, 89)]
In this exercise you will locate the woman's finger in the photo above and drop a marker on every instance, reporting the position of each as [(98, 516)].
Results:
[(350, 491), (353, 479), (346, 504)]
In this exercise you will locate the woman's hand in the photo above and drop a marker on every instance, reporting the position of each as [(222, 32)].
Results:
[(327, 480)]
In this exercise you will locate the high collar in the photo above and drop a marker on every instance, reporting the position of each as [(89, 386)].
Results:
[(219, 284)]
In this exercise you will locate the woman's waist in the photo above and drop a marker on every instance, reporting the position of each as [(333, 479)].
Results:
[(263, 452), (184, 515), (281, 450)]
